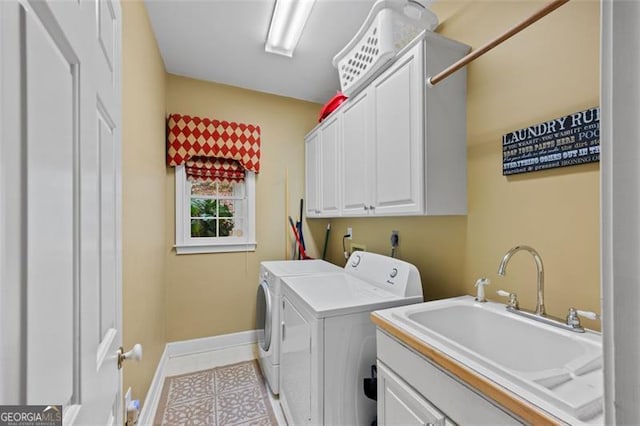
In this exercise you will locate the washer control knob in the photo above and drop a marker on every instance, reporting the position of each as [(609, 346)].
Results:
[(356, 260), (393, 273)]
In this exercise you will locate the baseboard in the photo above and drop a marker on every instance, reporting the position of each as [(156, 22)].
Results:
[(183, 348), (148, 410), (206, 344)]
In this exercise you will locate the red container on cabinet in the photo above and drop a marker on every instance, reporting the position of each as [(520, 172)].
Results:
[(331, 105)]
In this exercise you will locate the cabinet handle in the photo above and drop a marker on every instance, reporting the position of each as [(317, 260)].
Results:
[(366, 208), (282, 330), (372, 208)]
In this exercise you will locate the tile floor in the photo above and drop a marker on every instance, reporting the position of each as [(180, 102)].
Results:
[(206, 360)]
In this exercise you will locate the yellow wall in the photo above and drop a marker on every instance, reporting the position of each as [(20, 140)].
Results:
[(212, 294), (549, 70), (143, 195)]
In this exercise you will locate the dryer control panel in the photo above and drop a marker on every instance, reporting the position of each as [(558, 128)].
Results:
[(394, 275)]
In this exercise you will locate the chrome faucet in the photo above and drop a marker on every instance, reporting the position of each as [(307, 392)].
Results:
[(502, 270), (571, 322)]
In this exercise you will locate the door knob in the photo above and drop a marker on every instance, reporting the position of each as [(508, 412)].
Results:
[(135, 354)]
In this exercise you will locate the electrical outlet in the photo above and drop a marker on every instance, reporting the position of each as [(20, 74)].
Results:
[(350, 233), (395, 238)]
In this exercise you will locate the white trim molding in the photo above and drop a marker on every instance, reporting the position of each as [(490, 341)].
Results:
[(620, 208), (213, 248), (188, 347), (214, 343), (153, 394), (187, 245)]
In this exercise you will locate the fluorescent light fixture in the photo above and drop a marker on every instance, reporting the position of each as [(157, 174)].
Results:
[(287, 22)]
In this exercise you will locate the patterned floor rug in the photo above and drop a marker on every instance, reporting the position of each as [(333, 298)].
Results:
[(228, 395)]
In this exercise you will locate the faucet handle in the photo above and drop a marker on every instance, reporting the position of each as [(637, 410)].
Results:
[(588, 314), (513, 299), (573, 315)]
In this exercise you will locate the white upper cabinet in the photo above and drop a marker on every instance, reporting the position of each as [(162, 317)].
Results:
[(330, 182), (398, 120), (312, 179), (323, 182), (357, 156), (399, 146)]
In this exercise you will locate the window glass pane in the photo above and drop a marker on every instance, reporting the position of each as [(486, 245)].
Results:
[(204, 188), (226, 227), (203, 228), (238, 189), (238, 227), (227, 208), (226, 188), (201, 207), (240, 208)]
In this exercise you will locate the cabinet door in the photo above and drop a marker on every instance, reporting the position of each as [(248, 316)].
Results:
[(312, 158), (399, 404), (295, 365), (356, 156), (398, 180), (330, 167)]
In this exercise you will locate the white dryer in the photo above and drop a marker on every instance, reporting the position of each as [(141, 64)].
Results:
[(268, 307), (328, 339)]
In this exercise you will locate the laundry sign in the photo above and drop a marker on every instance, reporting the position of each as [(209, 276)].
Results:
[(566, 141)]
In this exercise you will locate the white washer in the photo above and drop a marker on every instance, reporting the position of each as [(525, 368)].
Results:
[(268, 306), (328, 339)]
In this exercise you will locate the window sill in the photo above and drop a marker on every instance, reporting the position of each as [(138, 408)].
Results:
[(214, 248)]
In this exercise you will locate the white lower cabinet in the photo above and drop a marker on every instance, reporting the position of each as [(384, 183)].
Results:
[(414, 390), (399, 404)]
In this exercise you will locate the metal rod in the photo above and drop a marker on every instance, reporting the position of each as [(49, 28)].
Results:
[(497, 41)]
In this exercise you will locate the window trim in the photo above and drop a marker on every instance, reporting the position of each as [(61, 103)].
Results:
[(187, 245)]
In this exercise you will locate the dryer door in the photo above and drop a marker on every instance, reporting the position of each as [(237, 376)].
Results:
[(263, 315)]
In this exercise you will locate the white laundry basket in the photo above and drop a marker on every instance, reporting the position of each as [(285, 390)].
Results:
[(390, 25)]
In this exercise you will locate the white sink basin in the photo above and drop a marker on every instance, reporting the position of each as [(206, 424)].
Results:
[(558, 369), (514, 344)]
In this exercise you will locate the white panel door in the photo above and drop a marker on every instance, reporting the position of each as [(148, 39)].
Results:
[(100, 226), (399, 142), (52, 256), (357, 156), (330, 167), (60, 288)]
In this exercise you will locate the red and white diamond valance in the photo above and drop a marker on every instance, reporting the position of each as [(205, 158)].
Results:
[(189, 137), (208, 169)]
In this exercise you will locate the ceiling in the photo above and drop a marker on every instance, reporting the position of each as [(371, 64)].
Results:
[(223, 41)]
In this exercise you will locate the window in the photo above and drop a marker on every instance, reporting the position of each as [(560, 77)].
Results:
[(215, 216)]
